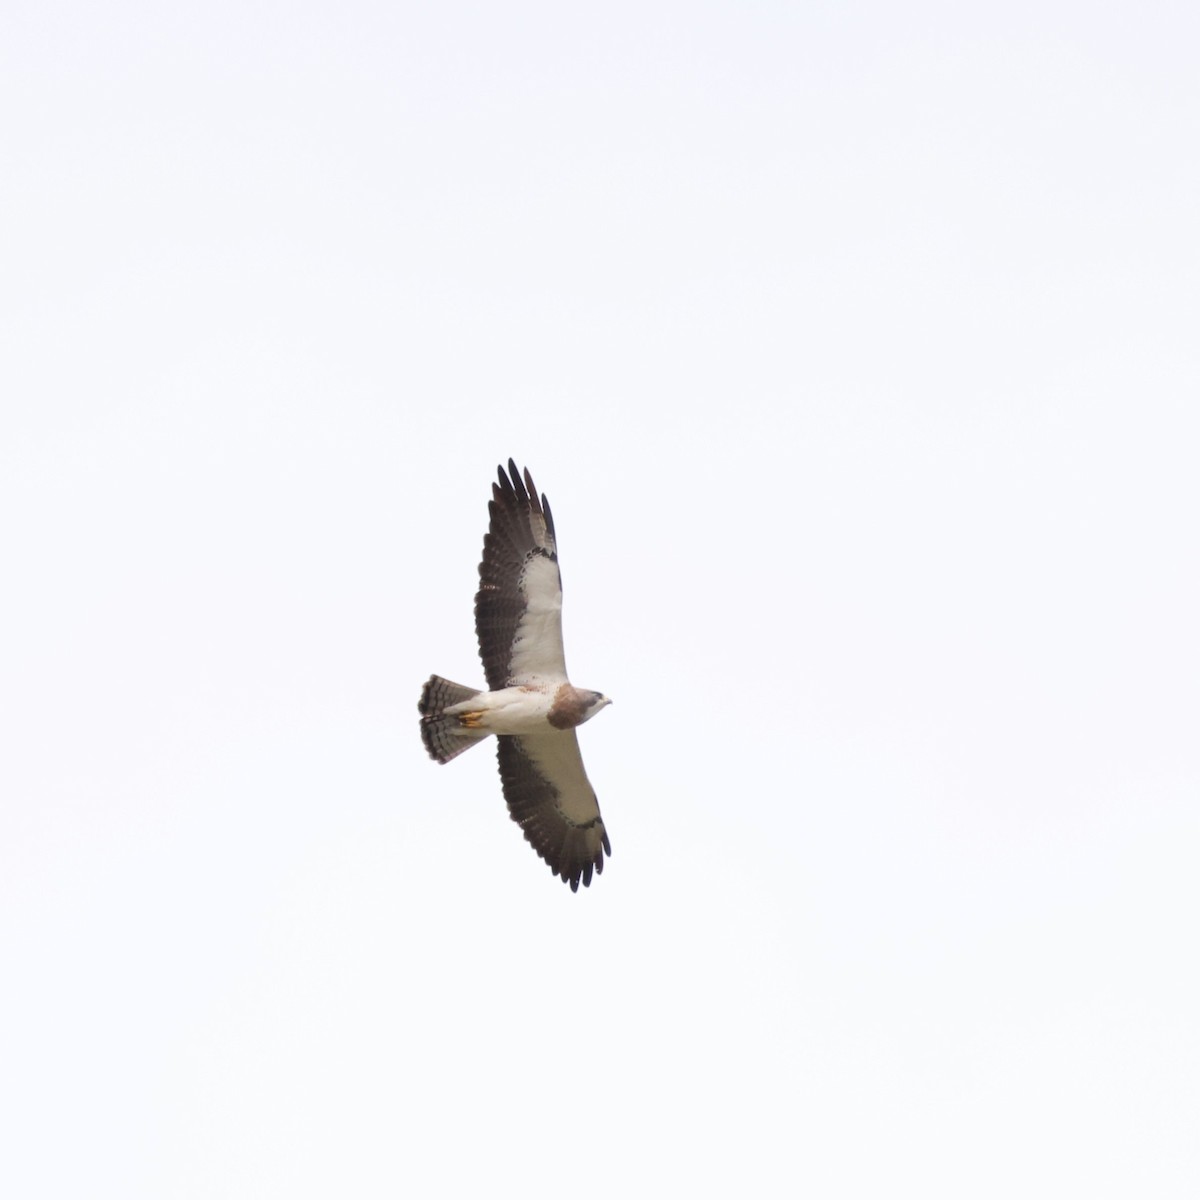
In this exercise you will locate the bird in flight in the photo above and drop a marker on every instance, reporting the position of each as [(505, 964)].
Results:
[(530, 705)]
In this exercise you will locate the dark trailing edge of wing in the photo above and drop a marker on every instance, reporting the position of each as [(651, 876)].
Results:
[(532, 803), (515, 532)]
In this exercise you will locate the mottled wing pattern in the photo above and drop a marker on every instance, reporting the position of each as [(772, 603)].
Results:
[(549, 796), (518, 608)]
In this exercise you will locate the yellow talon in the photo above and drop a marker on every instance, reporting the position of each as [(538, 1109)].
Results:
[(471, 720)]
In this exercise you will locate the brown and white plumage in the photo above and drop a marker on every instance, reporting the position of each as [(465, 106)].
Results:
[(531, 706)]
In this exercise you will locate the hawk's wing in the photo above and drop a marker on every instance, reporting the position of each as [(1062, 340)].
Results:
[(549, 796), (518, 608)]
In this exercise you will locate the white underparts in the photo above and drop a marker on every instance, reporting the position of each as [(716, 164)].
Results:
[(519, 710)]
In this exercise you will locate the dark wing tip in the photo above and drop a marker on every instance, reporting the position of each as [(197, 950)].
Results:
[(513, 486), (518, 483), (517, 486), (582, 872), (506, 486), (531, 489)]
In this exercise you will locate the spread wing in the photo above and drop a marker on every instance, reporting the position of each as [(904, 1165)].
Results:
[(549, 796), (518, 608)]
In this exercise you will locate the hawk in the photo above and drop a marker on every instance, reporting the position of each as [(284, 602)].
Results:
[(530, 705)]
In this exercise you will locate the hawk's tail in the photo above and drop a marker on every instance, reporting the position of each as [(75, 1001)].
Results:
[(445, 737)]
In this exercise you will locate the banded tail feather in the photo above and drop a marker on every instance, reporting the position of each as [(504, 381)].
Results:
[(445, 737)]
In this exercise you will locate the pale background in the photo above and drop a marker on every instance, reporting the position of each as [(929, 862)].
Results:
[(856, 348)]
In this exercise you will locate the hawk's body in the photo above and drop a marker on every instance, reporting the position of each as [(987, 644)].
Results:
[(531, 706)]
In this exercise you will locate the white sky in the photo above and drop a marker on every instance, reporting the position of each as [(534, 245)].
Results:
[(856, 348)]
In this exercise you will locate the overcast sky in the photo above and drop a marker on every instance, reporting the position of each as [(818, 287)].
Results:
[(855, 346)]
